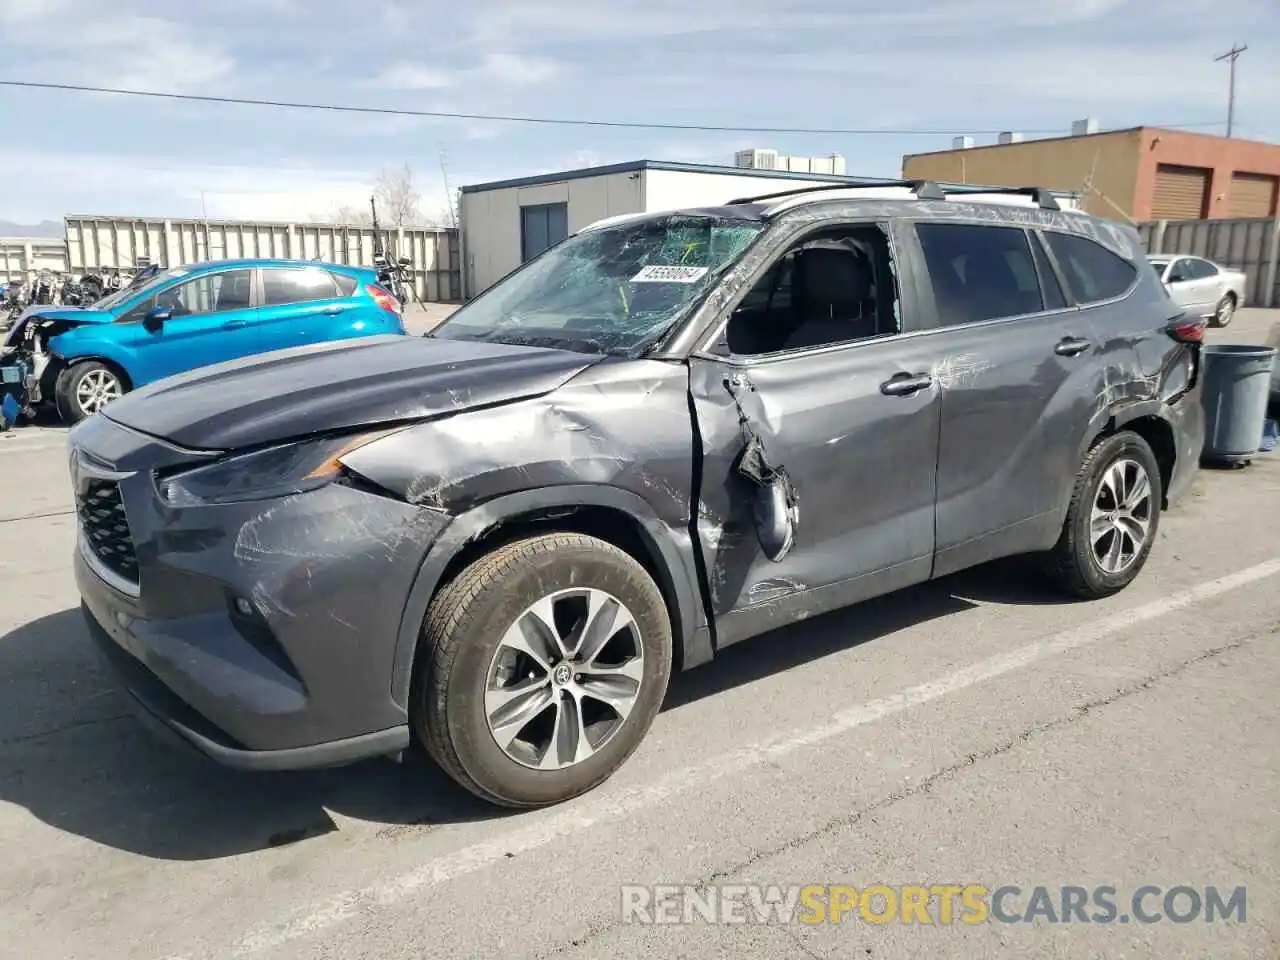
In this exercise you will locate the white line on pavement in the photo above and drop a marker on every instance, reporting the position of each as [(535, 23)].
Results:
[(610, 805)]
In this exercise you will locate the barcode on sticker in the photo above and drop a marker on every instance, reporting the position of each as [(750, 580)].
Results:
[(654, 274)]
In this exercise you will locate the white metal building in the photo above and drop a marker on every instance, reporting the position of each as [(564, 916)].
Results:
[(22, 258), (507, 222)]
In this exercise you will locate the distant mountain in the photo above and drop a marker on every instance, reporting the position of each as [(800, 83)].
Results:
[(46, 228)]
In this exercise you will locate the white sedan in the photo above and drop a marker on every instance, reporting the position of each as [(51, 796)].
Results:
[(1200, 286)]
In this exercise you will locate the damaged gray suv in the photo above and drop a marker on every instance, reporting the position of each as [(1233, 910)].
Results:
[(666, 434)]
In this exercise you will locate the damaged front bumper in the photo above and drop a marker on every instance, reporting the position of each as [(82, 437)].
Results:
[(262, 633)]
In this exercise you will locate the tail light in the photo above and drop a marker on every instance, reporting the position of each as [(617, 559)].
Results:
[(1186, 329), (383, 298)]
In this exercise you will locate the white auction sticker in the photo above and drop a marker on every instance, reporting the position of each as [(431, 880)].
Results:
[(656, 274)]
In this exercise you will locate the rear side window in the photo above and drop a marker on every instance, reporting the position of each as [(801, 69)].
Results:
[(297, 285), (346, 284), (980, 273), (1202, 270), (1093, 272)]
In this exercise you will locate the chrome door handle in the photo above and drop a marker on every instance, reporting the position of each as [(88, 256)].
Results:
[(906, 384), (1071, 346)]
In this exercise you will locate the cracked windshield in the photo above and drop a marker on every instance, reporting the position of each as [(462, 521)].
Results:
[(588, 480), (608, 290)]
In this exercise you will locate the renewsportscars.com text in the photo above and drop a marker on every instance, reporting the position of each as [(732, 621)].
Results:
[(929, 904)]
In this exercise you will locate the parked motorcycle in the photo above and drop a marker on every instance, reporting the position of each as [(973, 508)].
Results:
[(74, 294), (94, 287)]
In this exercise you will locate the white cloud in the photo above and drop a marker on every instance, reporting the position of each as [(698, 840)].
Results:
[(518, 70), (160, 186), (412, 76), (1181, 80), (71, 41)]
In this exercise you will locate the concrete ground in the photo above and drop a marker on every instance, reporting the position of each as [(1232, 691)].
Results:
[(973, 731)]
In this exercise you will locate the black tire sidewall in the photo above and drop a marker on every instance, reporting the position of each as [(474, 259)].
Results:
[(488, 619), (1122, 446)]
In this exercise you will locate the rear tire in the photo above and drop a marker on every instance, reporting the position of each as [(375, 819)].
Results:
[(497, 698), (83, 389), (1112, 520), (1224, 311)]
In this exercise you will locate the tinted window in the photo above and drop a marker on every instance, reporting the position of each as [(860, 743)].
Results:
[(1093, 272), (346, 284), (297, 285), (209, 293), (980, 273), (1054, 298)]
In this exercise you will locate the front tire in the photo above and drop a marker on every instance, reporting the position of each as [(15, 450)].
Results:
[(1112, 519), (543, 666), (83, 389)]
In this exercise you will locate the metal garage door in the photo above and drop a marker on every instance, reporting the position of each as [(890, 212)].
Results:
[(542, 226), (1181, 193), (1253, 195)]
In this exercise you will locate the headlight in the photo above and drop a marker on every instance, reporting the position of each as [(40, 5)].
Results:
[(264, 474)]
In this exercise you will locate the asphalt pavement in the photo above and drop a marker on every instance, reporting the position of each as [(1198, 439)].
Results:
[(977, 731)]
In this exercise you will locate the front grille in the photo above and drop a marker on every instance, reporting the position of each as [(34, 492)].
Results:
[(106, 529)]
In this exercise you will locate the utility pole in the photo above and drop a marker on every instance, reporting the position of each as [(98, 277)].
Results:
[(448, 193), (1232, 56)]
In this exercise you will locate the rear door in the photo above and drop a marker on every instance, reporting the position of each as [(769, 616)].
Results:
[(304, 304), (1188, 287), (1014, 365), (211, 320), (1209, 283)]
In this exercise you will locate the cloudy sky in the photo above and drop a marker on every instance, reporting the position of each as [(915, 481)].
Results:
[(943, 65)]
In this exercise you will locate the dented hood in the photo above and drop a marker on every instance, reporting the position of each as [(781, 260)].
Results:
[(334, 386), (77, 314)]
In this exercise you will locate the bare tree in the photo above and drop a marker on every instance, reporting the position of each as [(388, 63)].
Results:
[(353, 216), (398, 198)]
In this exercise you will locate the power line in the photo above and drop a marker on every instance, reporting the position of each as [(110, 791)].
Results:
[(546, 121)]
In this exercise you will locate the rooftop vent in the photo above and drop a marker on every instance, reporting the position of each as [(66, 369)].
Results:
[(1010, 137), (1082, 128), (962, 143)]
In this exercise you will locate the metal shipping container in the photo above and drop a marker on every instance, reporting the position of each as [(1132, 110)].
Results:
[(22, 258), (95, 242)]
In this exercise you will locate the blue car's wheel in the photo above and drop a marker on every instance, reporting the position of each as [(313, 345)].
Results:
[(85, 388)]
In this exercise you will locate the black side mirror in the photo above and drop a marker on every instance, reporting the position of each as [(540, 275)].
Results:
[(156, 317)]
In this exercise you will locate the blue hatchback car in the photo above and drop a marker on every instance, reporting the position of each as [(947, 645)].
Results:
[(175, 320)]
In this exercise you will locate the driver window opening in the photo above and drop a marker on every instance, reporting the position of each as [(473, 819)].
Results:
[(837, 286)]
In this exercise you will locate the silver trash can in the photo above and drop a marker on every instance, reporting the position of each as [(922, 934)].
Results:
[(1237, 385)]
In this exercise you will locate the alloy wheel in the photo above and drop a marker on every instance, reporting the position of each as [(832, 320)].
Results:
[(96, 389), (564, 679), (1226, 310), (1120, 521)]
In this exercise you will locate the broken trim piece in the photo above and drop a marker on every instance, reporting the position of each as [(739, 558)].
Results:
[(776, 508)]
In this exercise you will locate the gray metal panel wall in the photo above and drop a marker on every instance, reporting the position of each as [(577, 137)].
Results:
[(95, 242), (1251, 245)]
